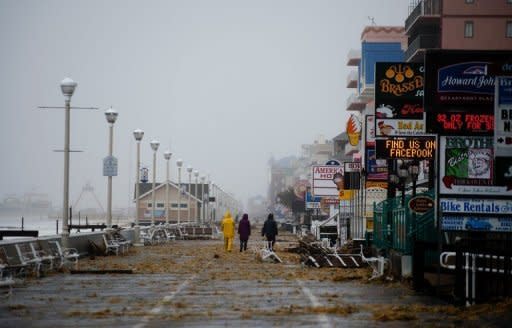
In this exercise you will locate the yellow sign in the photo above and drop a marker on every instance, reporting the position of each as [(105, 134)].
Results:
[(345, 194)]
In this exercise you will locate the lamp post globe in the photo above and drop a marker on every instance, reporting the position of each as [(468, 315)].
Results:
[(154, 144), (111, 115), (138, 134), (68, 87)]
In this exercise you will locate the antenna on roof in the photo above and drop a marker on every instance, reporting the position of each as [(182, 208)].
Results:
[(372, 20)]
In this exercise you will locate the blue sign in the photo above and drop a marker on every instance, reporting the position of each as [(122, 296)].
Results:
[(505, 91), (469, 77), (110, 166)]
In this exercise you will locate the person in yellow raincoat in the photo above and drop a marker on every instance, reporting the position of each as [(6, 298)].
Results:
[(228, 228)]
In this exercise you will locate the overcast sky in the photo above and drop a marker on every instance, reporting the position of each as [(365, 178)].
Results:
[(223, 84)]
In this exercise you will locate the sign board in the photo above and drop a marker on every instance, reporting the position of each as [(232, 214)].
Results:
[(467, 166), (110, 166), (421, 204), (144, 174), (352, 176), (459, 89), (323, 184), (406, 148), (376, 169), (476, 206), (345, 194), (332, 162), (399, 99), (476, 223), (503, 117)]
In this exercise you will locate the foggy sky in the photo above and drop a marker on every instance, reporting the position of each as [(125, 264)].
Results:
[(222, 84)]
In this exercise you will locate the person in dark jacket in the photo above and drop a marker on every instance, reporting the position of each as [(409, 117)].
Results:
[(270, 231), (244, 230)]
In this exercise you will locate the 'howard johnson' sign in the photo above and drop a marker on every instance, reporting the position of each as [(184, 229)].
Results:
[(470, 77)]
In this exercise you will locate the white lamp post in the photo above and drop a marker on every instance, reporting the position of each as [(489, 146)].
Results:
[(68, 87), (138, 134), (111, 116), (196, 174), (154, 145), (189, 170), (208, 210), (203, 178), (167, 156), (179, 164)]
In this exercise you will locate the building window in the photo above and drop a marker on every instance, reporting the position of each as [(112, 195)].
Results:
[(175, 205), (470, 1), (509, 2), (468, 29), (509, 29), (160, 205), (150, 205)]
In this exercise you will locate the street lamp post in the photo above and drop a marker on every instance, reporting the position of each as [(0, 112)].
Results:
[(203, 178), (67, 87), (154, 145), (207, 213), (111, 116), (167, 156), (189, 170), (179, 164), (138, 134), (196, 174), (402, 175)]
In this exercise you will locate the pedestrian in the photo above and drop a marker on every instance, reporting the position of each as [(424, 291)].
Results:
[(270, 231), (244, 230), (228, 229)]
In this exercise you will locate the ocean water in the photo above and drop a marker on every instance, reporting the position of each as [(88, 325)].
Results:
[(46, 226)]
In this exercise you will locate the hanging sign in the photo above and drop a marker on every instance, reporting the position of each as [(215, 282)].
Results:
[(406, 148)]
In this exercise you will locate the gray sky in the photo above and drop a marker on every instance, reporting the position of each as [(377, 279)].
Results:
[(223, 84)]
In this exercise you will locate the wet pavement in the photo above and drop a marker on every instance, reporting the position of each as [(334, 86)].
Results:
[(197, 284)]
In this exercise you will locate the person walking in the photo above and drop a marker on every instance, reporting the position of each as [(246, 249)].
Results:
[(228, 229), (270, 231), (244, 230)]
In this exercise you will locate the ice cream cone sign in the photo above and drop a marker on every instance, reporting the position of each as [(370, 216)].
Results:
[(353, 130)]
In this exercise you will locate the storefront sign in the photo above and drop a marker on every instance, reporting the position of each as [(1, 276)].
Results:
[(459, 89), (323, 184), (467, 167), (476, 206), (406, 148), (421, 204), (503, 117), (399, 99), (476, 223)]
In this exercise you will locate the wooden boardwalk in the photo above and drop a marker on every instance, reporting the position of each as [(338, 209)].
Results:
[(197, 284)]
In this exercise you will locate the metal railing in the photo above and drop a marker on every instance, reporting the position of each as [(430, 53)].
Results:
[(419, 8), (425, 41), (396, 226)]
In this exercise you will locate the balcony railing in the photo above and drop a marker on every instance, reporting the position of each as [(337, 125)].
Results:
[(420, 8), (428, 41), (354, 102), (353, 57), (352, 79)]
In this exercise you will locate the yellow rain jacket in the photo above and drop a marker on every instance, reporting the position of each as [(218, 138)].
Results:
[(228, 226)]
